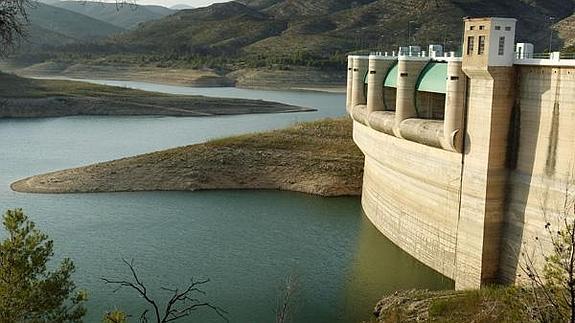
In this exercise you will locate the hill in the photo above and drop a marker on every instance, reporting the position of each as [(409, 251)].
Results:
[(223, 27), (181, 6), (56, 26), (282, 28), (566, 31), (123, 16)]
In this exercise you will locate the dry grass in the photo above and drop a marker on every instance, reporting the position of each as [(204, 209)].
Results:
[(492, 304)]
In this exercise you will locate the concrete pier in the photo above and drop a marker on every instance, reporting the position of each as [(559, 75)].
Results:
[(455, 100), (349, 90), (378, 68), (408, 74), (360, 66)]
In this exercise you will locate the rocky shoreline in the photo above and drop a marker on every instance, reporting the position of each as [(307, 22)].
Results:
[(294, 79), (175, 106), (33, 98), (317, 158)]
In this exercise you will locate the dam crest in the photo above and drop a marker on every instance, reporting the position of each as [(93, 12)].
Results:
[(462, 152)]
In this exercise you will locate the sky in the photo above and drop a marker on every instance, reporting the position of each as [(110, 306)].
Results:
[(169, 3)]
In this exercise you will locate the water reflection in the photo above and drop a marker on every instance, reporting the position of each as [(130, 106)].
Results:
[(379, 267)]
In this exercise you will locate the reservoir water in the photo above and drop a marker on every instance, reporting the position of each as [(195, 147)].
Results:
[(246, 242)]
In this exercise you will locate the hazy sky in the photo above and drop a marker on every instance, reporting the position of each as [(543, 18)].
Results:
[(169, 3)]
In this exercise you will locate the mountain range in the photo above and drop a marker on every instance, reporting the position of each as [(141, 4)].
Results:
[(56, 23), (323, 26), (299, 28)]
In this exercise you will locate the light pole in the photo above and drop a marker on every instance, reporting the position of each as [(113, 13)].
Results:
[(409, 32), (551, 19)]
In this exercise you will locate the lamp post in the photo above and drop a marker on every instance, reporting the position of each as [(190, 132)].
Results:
[(551, 19), (409, 31)]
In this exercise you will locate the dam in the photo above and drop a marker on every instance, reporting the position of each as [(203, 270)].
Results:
[(466, 158)]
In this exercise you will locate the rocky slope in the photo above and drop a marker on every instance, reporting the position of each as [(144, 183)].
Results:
[(565, 30), (490, 304), (281, 27), (317, 158)]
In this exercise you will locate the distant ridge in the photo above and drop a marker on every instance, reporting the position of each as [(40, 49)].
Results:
[(181, 6), (123, 16), (67, 24)]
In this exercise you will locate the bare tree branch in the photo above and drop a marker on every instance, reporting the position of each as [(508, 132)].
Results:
[(13, 22), (180, 305)]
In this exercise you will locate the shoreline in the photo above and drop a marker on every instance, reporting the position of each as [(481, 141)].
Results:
[(60, 107), (316, 158), (41, 98), (257, 79), (327, 89)]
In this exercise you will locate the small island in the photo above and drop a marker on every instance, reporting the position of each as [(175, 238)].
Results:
[(35, 98)]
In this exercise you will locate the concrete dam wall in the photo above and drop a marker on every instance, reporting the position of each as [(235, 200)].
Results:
[(463, 155)]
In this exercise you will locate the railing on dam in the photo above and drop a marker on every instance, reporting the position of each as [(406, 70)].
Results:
[(545, 59)]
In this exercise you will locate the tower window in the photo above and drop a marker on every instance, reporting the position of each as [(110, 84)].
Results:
[(501, 50), (497, 27), (471, 27), (481, 48), (507, 28), (470, 45), (481, 27)]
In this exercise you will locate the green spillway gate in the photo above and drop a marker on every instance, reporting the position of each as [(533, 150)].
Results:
[(433, 78), (391, 77)]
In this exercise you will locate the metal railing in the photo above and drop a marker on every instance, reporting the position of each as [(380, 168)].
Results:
[(551, 56)]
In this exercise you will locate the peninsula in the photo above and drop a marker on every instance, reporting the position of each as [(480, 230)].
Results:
[(34, 98), (317, 158)]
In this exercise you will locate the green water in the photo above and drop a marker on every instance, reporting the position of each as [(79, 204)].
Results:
[(246, 242)]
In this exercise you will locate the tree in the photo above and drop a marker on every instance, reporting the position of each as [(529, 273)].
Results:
[(13, 20), (181, 304), (553, 286), (115, 317), (29, 292)]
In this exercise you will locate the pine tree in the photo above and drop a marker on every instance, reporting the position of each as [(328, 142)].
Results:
[(29, 292)]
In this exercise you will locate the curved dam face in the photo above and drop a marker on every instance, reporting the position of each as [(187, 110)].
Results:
[(474, 157), (411, 193)]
